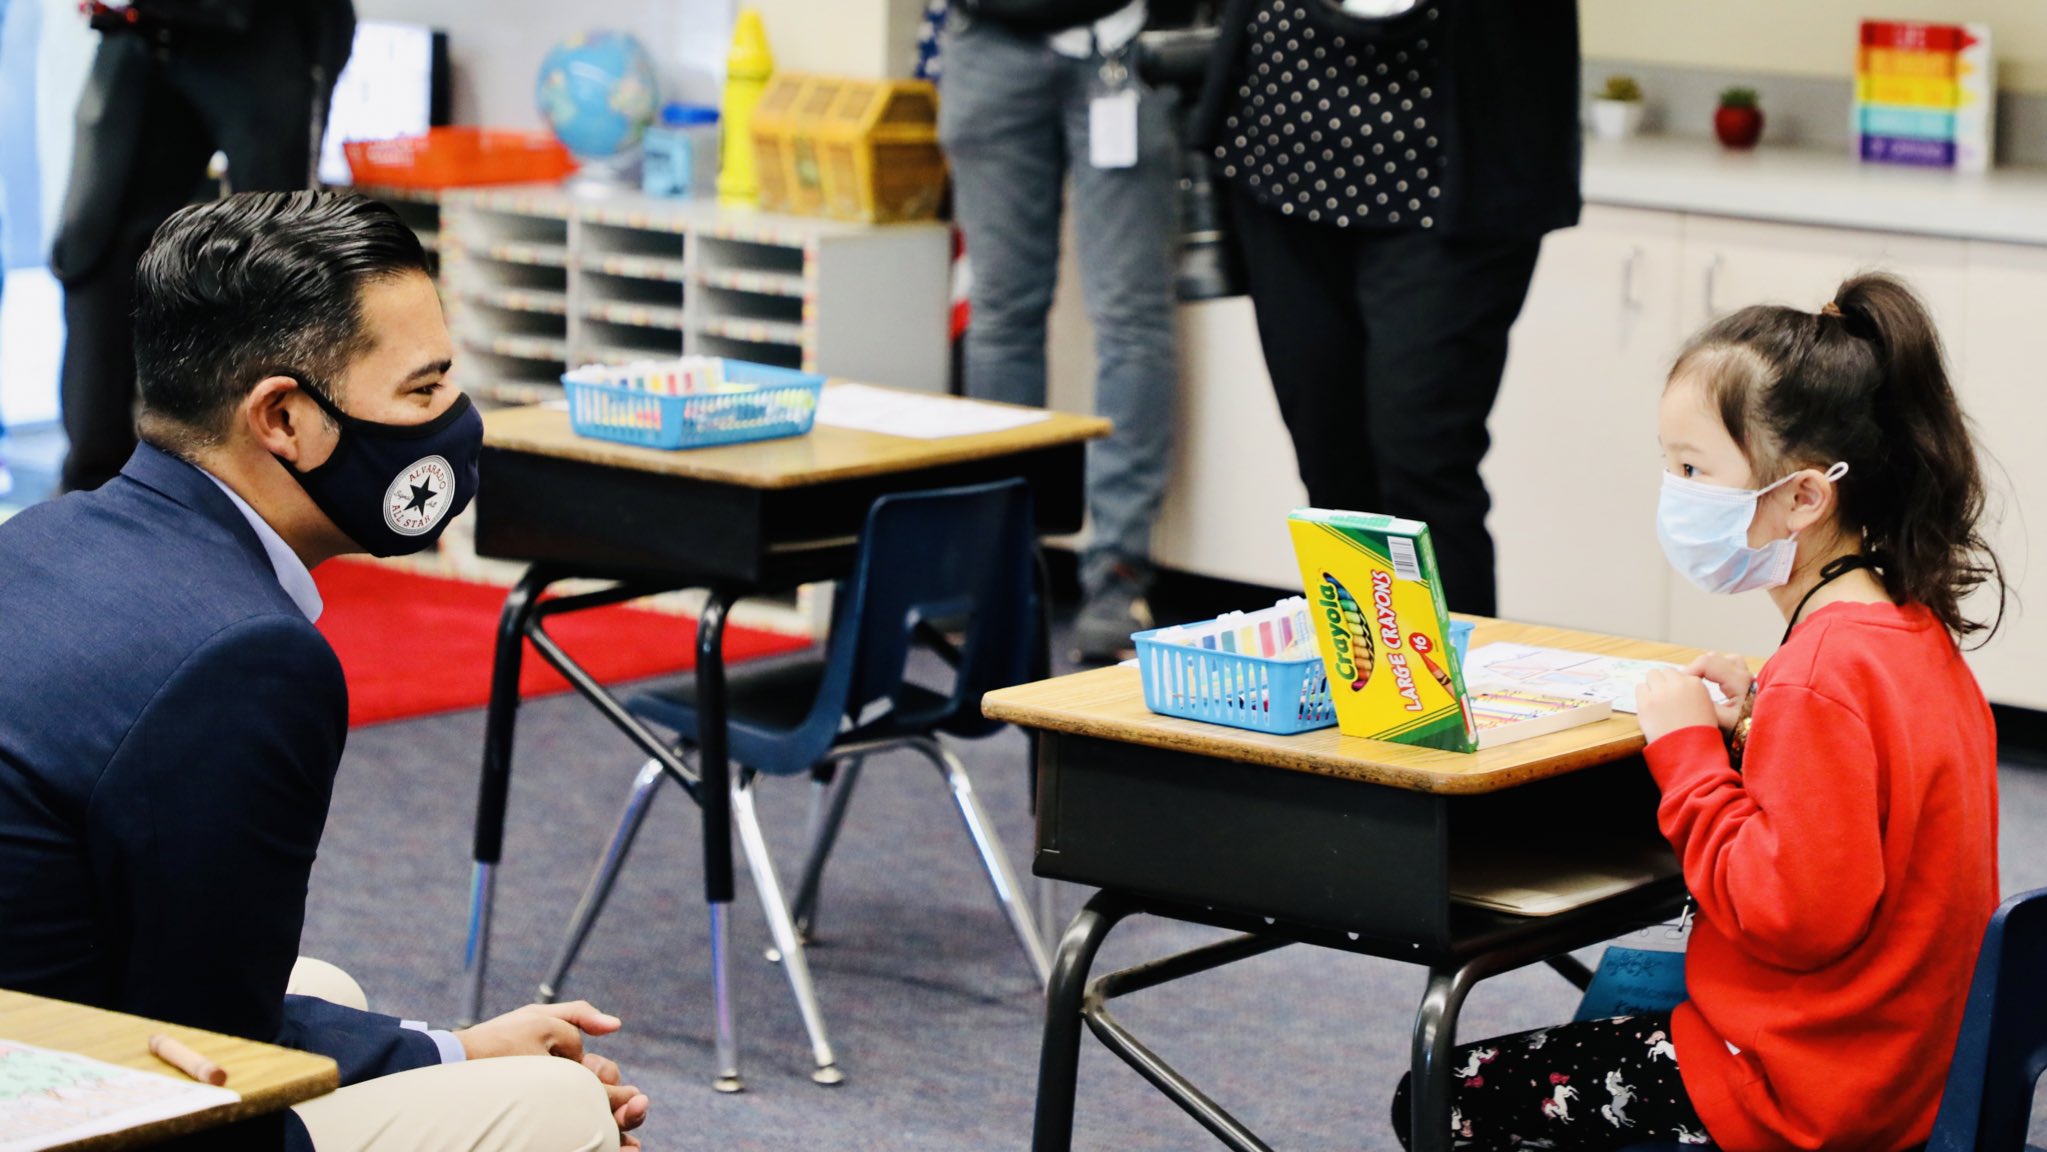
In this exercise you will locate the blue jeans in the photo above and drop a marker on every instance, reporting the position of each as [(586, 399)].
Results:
[(1013, 117)]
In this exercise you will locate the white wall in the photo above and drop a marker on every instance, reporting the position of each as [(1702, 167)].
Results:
[(496, 47), (63, 57), (870, 39), (1800, 37)]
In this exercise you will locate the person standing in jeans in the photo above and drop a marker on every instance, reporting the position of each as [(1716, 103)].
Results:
[(1392, 166), (1035, 91)]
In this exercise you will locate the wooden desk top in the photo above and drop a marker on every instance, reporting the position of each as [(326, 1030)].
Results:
[(825, 454), (1109, 703), (267, 1077)]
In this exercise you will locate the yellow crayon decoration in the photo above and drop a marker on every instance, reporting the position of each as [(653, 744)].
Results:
[(1907, 91), (747, 68)]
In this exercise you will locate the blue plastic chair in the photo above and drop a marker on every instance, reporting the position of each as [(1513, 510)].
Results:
[(1988, 1102), (930, 564)]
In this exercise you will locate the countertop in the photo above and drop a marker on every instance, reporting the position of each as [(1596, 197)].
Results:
[(1811, 186)]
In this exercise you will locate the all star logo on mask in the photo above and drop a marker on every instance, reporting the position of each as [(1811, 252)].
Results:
[(419, 497)]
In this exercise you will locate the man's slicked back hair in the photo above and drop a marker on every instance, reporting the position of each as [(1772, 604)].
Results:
[(253, 285)]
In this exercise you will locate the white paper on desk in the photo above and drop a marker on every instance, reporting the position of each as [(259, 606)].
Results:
[(1561, 672), (917, 417), (50, 1098)]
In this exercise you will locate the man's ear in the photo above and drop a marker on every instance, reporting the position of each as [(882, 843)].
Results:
[(279, 416)]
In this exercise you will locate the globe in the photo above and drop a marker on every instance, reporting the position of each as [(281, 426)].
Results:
[(598, 92)]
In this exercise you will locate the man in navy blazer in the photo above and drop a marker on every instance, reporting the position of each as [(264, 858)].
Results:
[(170, 719)]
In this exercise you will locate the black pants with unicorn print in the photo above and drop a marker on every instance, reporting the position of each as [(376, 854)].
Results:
[(1589, 1086)]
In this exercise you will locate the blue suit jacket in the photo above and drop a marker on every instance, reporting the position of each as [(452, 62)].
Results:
[(170, 725)]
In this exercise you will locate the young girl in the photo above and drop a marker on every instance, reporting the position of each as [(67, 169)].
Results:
[(1836, 818)]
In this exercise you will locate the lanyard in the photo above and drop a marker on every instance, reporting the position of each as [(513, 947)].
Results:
[(1836, 568)]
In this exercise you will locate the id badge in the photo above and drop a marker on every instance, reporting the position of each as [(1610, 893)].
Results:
[(1112, 118)]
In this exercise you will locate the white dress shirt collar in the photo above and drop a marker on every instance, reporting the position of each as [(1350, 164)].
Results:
[(291, 571)]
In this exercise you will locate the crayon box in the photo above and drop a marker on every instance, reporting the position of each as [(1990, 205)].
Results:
[(1376, 600)]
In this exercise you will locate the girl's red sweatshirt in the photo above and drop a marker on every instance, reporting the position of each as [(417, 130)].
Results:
[(1844, 877)]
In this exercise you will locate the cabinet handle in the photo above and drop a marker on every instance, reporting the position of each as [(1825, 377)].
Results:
[(1629, 301), (1712, 284)]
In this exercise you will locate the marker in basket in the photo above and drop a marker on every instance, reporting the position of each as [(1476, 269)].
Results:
[(184, 1059)]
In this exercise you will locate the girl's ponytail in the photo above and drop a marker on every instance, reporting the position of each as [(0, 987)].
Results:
[(1923, 495), (1862, 381)]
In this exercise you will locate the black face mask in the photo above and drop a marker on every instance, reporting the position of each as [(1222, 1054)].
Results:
[(393, 487)]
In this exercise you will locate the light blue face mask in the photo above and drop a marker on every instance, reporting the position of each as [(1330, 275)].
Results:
[(1704, 532)]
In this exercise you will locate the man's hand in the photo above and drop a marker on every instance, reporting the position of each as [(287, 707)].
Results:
[(1667, 701), (537, 1030), (557, 1030), (628, 1104), (1732, 675)]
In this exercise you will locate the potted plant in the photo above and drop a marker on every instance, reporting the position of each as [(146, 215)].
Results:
[(1617, 109), (1738, 122)]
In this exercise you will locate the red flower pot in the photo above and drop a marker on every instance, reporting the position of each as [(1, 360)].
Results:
[(1738, 127)]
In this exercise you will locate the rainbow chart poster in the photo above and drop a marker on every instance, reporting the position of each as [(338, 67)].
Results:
[(1925, 95)]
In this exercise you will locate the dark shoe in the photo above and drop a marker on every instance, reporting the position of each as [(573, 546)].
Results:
[(1101, 633)]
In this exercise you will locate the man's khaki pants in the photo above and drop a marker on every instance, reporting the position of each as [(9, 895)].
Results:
[(509, 1104)]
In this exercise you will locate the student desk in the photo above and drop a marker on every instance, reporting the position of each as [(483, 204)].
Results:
[(1318, 838), (267, 1077), (737, 520)]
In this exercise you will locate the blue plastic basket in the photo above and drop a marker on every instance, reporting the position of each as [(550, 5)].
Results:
[(774, 402), (1254, 692)]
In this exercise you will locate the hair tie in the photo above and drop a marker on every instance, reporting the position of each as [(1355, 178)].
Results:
[(1830, 309)]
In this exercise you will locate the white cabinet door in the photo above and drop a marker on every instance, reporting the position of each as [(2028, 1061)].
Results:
[(1574, 467), (2004, 392), (1233, 479), (1729, 264)]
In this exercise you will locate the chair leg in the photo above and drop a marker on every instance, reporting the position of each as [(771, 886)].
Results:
[(755, 845), (599, 890), (1008, 891), (727, 1078), (824, 834)]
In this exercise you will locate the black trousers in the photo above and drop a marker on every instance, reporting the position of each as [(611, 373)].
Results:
[(152, 113), (1590, 1086), (1385, 349)]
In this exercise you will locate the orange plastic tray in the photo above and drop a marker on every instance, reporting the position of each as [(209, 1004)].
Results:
[(450, 157)]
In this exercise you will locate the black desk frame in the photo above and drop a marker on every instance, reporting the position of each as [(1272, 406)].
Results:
[(662, 532), (1291, 857)]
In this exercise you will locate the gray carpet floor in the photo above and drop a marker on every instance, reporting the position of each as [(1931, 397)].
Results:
[(929, 1000)]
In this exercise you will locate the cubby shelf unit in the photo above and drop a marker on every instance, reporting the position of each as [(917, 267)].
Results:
[(538, 280)]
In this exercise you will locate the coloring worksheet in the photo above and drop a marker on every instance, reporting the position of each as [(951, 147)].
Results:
[(1559, 672), (52, 1098)]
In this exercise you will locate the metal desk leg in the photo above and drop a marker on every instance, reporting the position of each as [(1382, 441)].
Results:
[(497, 782), (1046, 893), (714, 771), (1059, 1056), (1435, 1038)]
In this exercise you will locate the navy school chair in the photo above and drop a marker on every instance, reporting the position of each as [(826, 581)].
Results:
[(1988, 1102), (2002, 1050), (965, 557)]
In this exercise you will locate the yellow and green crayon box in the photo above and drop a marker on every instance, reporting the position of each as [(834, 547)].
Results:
[(1377, 602)]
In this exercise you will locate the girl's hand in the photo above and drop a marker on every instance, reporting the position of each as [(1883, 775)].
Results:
[(1732, 675), (1667, 701)]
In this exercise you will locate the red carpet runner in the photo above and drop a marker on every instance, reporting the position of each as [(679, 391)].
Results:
[(414, 645)]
